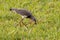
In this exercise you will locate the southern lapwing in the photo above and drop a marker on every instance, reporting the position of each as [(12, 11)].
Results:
[(24, 14)]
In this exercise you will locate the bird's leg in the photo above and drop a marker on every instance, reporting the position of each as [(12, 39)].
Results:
[(21, 22), (30, 22), (25, 26)]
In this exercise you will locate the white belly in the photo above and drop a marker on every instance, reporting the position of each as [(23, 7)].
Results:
[(24, 16)]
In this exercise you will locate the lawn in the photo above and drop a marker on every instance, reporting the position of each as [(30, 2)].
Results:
[(46, 12)]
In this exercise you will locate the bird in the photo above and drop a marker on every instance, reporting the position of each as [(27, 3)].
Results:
[(24, 14)]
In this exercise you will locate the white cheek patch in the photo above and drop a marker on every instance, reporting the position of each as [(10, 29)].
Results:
[(24, 16)]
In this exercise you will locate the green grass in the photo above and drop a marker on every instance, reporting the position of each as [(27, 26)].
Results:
[(47, 13)]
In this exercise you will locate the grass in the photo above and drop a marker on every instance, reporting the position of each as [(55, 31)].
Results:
[(47, 13)]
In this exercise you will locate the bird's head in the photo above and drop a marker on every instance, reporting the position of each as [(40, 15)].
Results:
[(34, 19)]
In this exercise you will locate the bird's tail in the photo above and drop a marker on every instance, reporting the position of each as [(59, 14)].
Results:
[(13, 9)]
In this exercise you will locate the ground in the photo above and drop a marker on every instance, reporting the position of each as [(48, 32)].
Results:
[(46, 12)]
